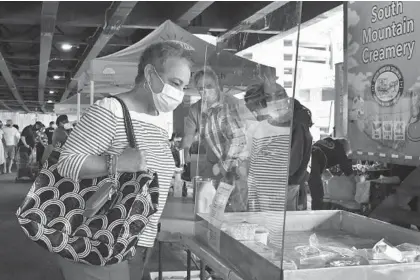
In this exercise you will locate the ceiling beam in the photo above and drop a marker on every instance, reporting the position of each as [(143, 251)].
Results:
[(31, 69), (7, 76), (26, 56), (58, 38), (5, 106), (48, 17), (311, 14), (223, 40), (117, 17), (196, 9), (83, 18)]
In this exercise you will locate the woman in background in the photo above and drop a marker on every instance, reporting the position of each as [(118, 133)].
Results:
[(218, 118), (2, 154)]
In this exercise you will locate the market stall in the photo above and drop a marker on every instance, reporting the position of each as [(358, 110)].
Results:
[(249, 234)]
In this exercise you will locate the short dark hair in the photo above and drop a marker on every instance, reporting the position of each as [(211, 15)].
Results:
[(39, 123), (157, 54), (51, 122), (61, 118), (256, 98)]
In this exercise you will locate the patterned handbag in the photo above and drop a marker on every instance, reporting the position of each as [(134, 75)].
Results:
[(52, 213)]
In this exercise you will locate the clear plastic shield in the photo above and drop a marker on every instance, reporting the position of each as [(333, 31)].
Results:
[(243, 124)]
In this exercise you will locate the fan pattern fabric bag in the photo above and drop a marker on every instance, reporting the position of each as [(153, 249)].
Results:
[(52, 213)]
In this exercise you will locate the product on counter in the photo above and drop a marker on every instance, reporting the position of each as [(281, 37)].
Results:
[(241, 231), (346, 261), (317, 255)]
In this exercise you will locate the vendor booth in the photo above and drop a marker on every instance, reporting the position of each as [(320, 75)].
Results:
[(233, 215), (240, 227)]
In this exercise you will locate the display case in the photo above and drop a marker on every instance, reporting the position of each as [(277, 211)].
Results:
[(243, 182), (244, 120), (318, 245)]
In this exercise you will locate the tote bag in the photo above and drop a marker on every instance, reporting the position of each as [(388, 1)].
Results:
[(52, 214)]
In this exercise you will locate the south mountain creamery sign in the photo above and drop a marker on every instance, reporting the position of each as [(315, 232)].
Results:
[(384, 81)]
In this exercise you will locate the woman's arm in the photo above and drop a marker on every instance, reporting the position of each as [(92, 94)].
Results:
[(190, 129), (81, 157)]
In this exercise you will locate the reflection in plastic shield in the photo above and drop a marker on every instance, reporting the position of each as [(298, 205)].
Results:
[(243, 123)]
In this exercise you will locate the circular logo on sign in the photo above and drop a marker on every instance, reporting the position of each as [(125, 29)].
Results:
[(387, 85)]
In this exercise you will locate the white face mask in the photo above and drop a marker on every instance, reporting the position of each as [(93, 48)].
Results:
[(168, 99), (67, 126)]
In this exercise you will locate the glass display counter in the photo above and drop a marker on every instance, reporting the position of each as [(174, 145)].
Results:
[(244, 122), (243, 182)]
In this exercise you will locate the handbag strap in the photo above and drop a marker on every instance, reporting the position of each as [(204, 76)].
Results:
[(129, 129)]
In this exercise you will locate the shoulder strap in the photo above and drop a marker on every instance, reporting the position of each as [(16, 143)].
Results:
[(129, 129)]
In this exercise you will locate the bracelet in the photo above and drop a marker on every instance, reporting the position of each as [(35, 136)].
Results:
[(111, 164), (114, 164)]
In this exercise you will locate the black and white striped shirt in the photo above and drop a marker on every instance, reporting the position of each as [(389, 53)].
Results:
[(102, 130), (268, 174)]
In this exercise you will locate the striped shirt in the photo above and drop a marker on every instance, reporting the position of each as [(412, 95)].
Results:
[(101, 130), (268, 174)]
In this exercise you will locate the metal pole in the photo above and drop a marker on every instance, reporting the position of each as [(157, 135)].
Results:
[(92, 92), (78, 106), (202, 269), (160, 260), (188, 264)]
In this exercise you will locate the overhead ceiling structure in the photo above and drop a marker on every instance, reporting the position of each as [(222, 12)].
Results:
[(46, 46)]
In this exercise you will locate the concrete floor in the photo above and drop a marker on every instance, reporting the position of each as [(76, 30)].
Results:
[(21, 259)]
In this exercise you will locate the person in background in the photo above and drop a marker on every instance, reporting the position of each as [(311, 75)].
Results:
[(11, 138), (59, 137), (26, 145), (327, 153), (16, 150), (174, 142), (2, 146), (61, 133), (269, 144), (218, 118), (301, 147), (212, 98), (164, 71), (41, 144), (49, 132)]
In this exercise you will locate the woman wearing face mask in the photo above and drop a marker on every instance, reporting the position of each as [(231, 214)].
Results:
[(212, 100), (218, 118), (164, 71), (268, 140)]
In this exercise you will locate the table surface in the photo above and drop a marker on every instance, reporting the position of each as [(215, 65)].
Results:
[(177, 218)]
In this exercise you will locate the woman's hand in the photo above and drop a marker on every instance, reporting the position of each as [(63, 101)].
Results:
[(132, 160)]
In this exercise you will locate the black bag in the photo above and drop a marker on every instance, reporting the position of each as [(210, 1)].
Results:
[(52, 213)]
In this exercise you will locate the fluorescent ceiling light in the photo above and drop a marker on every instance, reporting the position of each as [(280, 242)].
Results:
[(50, 101), (66, 47), (56, 77), (51, 91)]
